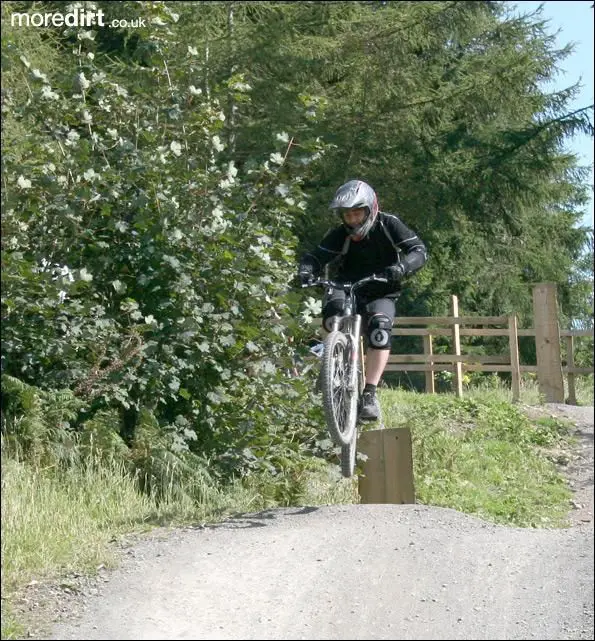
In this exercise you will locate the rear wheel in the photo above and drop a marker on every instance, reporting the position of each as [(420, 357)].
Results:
[(339, 401)]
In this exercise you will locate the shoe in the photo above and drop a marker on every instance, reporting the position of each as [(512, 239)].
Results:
[(369, 408)]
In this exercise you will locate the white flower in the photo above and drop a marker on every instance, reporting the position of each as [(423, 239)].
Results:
[(91, 55), (105, 105), (232, 170), (158, 21), (37, 74), (194, 91), (85, 275), (86, 35), (87, 117), (82, 81), (282, 190), (61, 296), (113, 133), (176, 148), (283, 136), (192, 50), (91, 175), (219, 146), (72, 135), (23, 183), (25, 61), (241, 86), (46, 92), (277, 158)]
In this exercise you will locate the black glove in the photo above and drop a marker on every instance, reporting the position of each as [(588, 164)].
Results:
[(395, 273), (306, 274)]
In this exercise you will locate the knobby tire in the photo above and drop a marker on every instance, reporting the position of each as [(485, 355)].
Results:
[(340, 405), (349, 452)]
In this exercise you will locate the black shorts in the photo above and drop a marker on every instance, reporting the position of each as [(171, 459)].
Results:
[(334, 304)]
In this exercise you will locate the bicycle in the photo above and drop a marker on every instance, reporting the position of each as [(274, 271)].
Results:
[(342, 370)]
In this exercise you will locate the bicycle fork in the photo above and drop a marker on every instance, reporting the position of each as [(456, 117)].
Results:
[(354, 334)]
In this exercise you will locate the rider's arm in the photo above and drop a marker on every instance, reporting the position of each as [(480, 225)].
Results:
[(413, 253), (329, 248)]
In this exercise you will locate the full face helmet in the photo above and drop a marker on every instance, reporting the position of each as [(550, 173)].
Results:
[(355, 194)]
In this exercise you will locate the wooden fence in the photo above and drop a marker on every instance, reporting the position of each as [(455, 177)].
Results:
[(549, 367)]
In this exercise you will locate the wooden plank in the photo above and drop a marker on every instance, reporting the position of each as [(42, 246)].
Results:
[(448, 320), (465, 331), (387, 474), (428, 352), (436, 331), (515, 371), (487, 368), (563, 332), (414, 367), (547, 342), (448, 358), (416, 331), (578, 370), (456, 344)]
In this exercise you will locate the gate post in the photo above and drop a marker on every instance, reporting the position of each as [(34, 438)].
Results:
[(547, 342)]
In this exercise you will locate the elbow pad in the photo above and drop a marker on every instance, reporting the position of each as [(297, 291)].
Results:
[(414, 260)]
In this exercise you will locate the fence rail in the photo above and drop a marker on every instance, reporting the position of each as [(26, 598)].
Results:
[(548, 336)]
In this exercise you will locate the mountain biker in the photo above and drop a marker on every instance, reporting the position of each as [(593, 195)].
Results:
[(366, 242)]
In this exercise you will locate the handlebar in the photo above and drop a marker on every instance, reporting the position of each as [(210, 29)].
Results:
[(347, 286)]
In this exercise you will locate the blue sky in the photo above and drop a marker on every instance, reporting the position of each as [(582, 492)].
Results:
[(573, 22)]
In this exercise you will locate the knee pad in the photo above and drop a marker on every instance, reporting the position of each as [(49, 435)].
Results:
[(379, 331)]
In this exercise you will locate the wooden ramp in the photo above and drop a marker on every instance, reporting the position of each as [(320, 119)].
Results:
[(387, 473)]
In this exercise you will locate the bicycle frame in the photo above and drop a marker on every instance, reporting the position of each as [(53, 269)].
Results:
[(346, 331), (350, 323)]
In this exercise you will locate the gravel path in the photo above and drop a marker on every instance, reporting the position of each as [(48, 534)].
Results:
[(354, 572)]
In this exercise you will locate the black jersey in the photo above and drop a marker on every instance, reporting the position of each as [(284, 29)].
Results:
[(389, 241)]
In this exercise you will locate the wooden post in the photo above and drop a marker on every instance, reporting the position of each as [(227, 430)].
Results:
[(429, 350), (570, 363), (388, 471), (515, 368), (456, 343), (547, 342)]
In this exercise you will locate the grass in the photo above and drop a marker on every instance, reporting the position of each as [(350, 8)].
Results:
[(480, 455)]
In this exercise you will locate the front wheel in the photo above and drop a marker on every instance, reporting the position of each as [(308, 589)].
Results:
[(348, 457), (349, 452), (339, 400)]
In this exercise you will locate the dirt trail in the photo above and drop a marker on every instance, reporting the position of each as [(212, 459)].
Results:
[(356, 572)]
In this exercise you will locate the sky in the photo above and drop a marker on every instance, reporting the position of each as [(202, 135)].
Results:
[(573, 22)]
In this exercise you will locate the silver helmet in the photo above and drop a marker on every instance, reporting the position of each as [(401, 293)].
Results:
[(352, 194)]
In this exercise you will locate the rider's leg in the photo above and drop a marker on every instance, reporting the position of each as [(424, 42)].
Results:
[(379, 320), (376, 360)]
